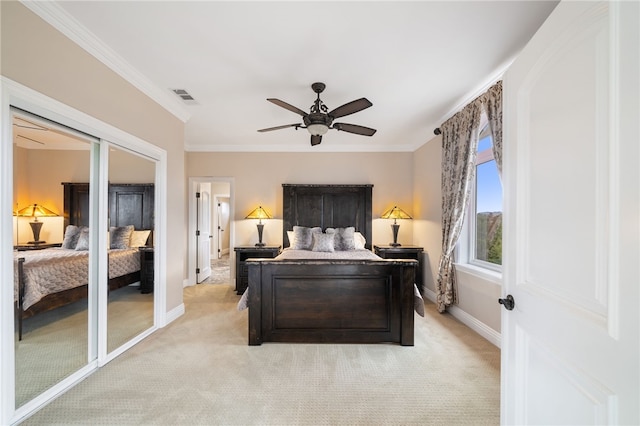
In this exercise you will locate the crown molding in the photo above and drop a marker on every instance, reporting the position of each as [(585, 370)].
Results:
[(61, 20)]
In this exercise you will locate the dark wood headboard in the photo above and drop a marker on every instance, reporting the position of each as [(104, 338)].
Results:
[(129, 204), (327, 206)]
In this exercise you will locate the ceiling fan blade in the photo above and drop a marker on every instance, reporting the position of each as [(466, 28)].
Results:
[(285, 105), (296, 125), (350, 108), (316, 139), (354, 128)]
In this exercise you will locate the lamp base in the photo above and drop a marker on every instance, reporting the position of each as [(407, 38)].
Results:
[(260, 244), (36, 242), (395, 244)]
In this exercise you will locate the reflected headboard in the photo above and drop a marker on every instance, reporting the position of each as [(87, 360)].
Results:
[(327, 206), (129, 204)]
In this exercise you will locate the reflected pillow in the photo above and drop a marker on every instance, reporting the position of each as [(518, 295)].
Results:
[(120, 236), (71, 235), (139, 238), (290, 236), (83, 239), (323, 242)]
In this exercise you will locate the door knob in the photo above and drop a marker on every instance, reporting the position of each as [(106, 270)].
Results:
[(507, 302)]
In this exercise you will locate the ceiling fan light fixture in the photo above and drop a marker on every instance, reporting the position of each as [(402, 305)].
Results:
[(318, 129)]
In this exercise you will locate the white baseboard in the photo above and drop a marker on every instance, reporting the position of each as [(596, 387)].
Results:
[(470, 321), (174, 314)]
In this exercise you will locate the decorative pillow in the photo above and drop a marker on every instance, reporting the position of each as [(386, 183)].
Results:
[(290, 235), (71, 235), (120, 236), (344, 238), (323, 242), (139, 238), (83, 239), (359, 241), (302, 237)]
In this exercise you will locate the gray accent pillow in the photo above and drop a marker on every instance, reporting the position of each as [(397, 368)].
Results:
[(83, 239), (120, 236), (303, 237), (344, 238), (323, 242), (71, 236)]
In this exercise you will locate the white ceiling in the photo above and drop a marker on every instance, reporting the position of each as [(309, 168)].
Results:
[(418, 62)]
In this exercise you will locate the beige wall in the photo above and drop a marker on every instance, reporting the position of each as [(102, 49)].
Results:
[(477, 297), (258, 179), (36, 55)]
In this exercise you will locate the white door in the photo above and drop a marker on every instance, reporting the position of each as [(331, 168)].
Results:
[(570, 346), (203, 232)]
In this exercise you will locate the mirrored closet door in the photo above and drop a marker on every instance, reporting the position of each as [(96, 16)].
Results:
[(83, 254), (51, 253), (131, 249)]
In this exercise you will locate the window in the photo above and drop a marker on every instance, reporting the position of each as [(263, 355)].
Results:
[(484, 219)]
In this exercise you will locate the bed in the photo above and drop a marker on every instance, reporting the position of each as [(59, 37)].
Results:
[(354, 298), (53, 277)]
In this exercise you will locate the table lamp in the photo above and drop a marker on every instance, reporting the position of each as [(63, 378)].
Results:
[(395, 213), (259, 213), (35, 211)]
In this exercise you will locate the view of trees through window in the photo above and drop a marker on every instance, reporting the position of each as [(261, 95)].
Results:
[(488, 204)]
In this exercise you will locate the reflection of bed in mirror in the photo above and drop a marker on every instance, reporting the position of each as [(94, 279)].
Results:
[(53, 277), (310, 296)]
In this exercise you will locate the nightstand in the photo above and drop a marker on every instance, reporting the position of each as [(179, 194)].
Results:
[(27, 247), (146, 269), (250, 252), (404, 252)]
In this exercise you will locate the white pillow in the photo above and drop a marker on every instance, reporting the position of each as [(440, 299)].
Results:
[(359, 241), (139, 238), (290, 235)]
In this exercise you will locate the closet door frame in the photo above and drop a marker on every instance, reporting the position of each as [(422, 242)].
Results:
[(17, 95)]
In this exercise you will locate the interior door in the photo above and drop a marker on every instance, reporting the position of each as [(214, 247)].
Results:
[(203, 233), (570, 344)]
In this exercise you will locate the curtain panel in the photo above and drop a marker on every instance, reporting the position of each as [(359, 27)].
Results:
[(459, 148), (492, 102)]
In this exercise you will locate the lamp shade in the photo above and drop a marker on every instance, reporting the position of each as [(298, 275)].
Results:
[(35, 210), (258, 213), (395, 213)]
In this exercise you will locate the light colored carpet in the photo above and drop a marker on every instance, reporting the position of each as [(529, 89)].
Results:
[(199, 370)]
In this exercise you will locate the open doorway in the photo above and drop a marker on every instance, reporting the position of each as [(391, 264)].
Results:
[(210, 230)]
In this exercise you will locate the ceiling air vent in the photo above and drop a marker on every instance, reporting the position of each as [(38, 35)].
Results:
[(185, 96)]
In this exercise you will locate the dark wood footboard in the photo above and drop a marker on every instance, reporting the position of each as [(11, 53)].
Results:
[(331, 301)]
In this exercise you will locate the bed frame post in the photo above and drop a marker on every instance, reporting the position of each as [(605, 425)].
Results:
[(255, 308), (20, 310), (407, 294)]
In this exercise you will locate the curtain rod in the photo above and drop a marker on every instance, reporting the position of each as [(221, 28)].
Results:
[(437, 130)]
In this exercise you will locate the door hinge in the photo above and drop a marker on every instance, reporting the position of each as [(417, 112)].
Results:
[(197, 270), (197, 233), (197, 195)]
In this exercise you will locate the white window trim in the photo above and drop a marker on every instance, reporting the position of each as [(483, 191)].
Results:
[(464, 249)]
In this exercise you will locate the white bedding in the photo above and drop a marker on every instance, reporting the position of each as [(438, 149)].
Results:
[(52, 270), (290, 254)]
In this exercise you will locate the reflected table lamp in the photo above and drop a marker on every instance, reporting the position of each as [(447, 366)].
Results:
[(259, 213), (35, 211), (395, 213)]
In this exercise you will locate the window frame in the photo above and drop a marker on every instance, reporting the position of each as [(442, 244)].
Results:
[(466, 247)]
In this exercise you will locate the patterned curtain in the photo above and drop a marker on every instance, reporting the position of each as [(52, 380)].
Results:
[(459, 148), (492, 103)]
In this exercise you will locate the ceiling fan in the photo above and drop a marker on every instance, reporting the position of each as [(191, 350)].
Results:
[(318, 121)]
